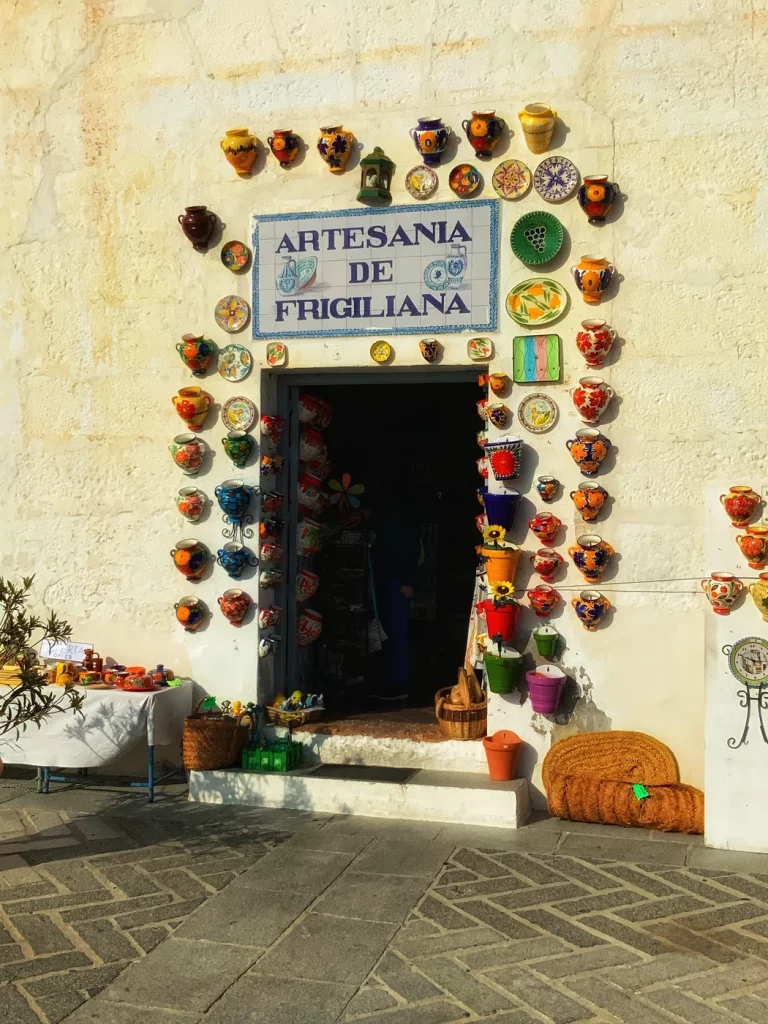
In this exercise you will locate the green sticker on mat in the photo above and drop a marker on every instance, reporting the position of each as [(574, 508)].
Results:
[(640, 791)]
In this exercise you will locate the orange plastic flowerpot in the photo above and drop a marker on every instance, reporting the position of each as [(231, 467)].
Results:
[(501, 564), (502, 751)]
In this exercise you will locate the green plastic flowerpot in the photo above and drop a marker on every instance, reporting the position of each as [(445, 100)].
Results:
[(502, 673), (537, 237)]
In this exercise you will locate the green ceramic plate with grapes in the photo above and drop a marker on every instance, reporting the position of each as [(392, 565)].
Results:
[(537, 237)]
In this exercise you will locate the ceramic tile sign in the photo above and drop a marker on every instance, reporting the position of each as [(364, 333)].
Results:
[(536, 357), (421, 270)]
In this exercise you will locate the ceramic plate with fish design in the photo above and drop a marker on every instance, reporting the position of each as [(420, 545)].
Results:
[(421, 181), (239, 413), (480, 349), (235, 256), (381, 351), (511, 179), (556, 178), (465, 180), (539, 300), (235, 362), (231, 313), (537, 413)]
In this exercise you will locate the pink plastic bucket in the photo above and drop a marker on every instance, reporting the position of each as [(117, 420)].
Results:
[(545, 686)]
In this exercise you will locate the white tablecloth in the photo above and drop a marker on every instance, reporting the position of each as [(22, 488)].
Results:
[(110, 724)]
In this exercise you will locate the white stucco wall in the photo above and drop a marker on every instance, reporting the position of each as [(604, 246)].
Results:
[(111, 121)]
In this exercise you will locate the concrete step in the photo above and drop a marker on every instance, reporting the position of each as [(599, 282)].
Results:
[(467, 798), (394, 752)]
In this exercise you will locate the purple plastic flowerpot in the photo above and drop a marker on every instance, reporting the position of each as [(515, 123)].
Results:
[(501, 508), (545, 686)]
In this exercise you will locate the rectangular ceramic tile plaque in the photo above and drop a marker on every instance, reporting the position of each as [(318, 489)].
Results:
[(425, 269), (536, 357)]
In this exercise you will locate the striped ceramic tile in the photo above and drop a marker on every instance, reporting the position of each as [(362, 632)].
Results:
[(536, 358)]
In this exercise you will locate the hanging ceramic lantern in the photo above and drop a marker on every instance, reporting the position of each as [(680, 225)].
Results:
[(375, 176)]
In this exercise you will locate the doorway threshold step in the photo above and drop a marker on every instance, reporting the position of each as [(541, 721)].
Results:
[(467, 798)]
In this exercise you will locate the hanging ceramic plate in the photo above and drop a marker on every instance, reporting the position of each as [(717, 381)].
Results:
[(421, 181), (537, 413), (537, 237), (480, 350), (232, 313), (556, 178), (235, 362), (235, 256), (381, 351), (277, 353), (239, 413), (511, 179), (537, 301), (465, 180)]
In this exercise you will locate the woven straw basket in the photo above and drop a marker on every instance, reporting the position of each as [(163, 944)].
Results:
[(212, 741), (468, 719)]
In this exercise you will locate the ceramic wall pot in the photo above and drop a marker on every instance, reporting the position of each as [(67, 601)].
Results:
[(240, 148), (594, 341), (198, 223), (545, 638), (192, 404), (545, 687), (323, 414), (545, 526), (482, 409), (270, 579), (272, 501), (430, 137), (269, 645), (501, 563), (590, 607), (272, 428), (306, 584), (546, 487), (233, 558), (311, 445), (238, 445), (196, 353), (589, 499), (591, 555), (309, 626), (481, 522), (591, 397), (430, 349), (270, 617), (190, 502), (759, 592), (484, 131), (308, 409), (234, 497), (190, 612), (310, 492), (498, 383), (284, 145), (271, 553), (722, 590), (502, 670), (592, 275), (334, 146), (505, 456), (483, 467), (270, 528), (538, 123), (498, 414), (754, 546), (588, 449), (740, 504), (501, 620), (309, 538), (543, 599), (501, 509), (269, 465), (187, 452), (190, 557), (596, 197), (234, 606), (546, 563)]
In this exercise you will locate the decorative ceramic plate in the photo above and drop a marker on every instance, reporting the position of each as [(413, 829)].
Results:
[(748, 660), (235, 362), (511, 179), (436, 276), (235, 255), (421, 181), (537, 301), (277, 353), (232, 313), (465, 180), (480, 349), (381, 351), (239, 413), (555, 179), (537, 237), (537, 413)]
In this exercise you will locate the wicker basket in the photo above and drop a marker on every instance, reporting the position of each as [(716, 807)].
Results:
[(466, 720), (292, 718), (212, 741)]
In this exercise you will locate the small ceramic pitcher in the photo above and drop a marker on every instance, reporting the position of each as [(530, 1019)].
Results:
[(722, 590)]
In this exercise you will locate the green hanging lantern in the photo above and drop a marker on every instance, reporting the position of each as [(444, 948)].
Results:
[(375, 177)]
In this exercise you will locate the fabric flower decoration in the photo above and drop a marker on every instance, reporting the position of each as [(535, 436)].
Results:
[(345, 492), (494, 535)]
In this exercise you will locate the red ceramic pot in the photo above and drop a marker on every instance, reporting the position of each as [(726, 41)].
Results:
[(594, 341), (545, 526), (754, 546), (306, 584), (740, 504), (722, 590), (309, 626), (197, 224), (308, 406), (591, 398), (543, 599), (310, 492), (234, 605), (546, 563)]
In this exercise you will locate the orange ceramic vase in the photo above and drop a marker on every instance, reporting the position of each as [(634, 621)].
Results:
[(589, 499), (501, 563), (591, 555), (192, 404), (240, 149), (592, 275), (754, 546), (740, 504)]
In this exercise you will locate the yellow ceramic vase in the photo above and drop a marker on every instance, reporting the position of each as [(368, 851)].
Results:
[(335, 146), (759, 592), (240, 149), (538, 121), (501, 564), (192, 404)]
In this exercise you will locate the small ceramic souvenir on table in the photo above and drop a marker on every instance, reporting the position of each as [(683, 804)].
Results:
[(759, 593), (192, 404), (596, 197), (272, 501), (271, 579), (465, 180), (235, 363), (546, 487), (309, 538), (555, 179), (190, 612), (238, 445), (537, 413), (190, 557), (498, 414), (284, 145), (381, 352), (536, 302), (484, 131), (546, 562), (588, 449), (306, 584), (335, 146), (589, 499), (231, 313), (591, 555), (590, 607), (722, 590), (234, 497), (592, 275), (190, 502), (233, 558), (754, 546), (270, 617), (498, 383), (309, 626), (234, 606), (235, 256), (545, 526), (543, 599), (505, 457), (277, 353), (421, 182), (238, 413), (740, 504), (196, 353), (537, 237), (187, 452), (594, 341), (511, 179), (430, 349), (536, 357), (271, 553), (480, 350), (591, 398), (240, 149), (197, 224), (538, 123), (430, 137), (272, 428), (376, 171)]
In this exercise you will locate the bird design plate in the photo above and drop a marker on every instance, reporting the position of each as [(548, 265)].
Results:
[(537, 301), (231, 313), (537, 237), (556, 178), (381, 351), (421, 181), (465, 180), (235, 256), (235, 362), (511, 179), (537, 413), (480, 350), (239, 413)]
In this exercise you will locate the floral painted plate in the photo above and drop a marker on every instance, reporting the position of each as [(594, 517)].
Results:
[(239, 413), (465, 180), (381, 351), (537, 301), (511, 179), (235, 362), (537, 237), (232, 313), (421, 181), (537, 413), (480, 349), (556, 178), (235, 256), (277, 353)]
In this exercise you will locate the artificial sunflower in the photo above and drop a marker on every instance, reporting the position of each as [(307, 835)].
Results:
[(502, 589), (494, 535)]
